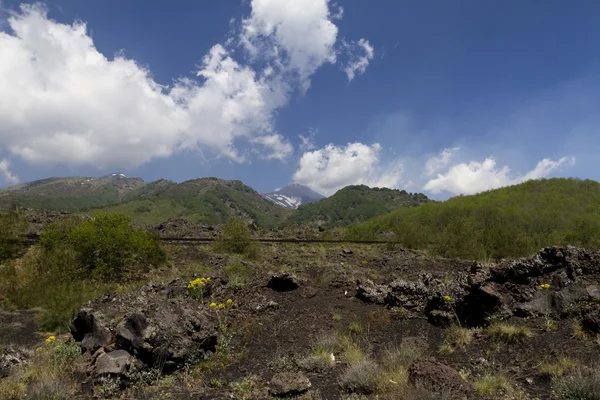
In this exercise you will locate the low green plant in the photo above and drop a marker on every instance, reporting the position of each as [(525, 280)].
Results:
[(248, 388)]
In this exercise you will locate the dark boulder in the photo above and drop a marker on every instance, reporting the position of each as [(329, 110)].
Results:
[(89, 331)]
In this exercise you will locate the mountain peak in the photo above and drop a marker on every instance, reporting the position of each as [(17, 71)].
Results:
[(293, 196)]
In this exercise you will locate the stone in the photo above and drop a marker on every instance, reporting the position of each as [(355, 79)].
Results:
[(431, 374), (371, 293), (286, 384), (115, 363)]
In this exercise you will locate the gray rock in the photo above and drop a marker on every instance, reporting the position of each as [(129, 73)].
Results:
[(10, 359), (286, 384), (372, 293), (410, 295), (115, 363)]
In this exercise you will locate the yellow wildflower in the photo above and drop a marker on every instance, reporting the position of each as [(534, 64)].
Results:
[(229, 302), (213, 305), (50, 339), (545, 286), (447, 299), (198, 282), (39, 349), (221, 306)]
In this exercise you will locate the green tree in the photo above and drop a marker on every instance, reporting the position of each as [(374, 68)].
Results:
[(237, 238)]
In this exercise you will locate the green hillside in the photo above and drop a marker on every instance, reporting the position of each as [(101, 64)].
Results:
[(69, 194), (354, 204), (205, 200), (513, 221)]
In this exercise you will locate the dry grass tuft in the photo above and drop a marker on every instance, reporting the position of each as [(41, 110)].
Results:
[(361, 377), (492, 385), (558, 367), (581, 384), (506, 333)]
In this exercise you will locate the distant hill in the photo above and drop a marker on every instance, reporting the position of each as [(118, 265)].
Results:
[(71, 193), (514, 221), (354, 204), (206, 200), (294, 195)]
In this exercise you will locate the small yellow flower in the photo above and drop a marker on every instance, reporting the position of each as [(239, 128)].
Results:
[(545, 286), (198, 282), (50, 339), (38, 349), (221, 306), (447, 299), (213, 305), (229, 302)]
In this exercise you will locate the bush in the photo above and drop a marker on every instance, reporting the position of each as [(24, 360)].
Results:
[(237, 274), (237, 239), (105, 245)]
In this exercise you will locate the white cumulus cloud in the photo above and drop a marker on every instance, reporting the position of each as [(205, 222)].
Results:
[(441, 161), (64, 102), (6, 172), (331, 168), (358, 62), (478, 176)]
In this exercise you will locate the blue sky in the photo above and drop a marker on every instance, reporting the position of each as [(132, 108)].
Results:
[(441, 97)]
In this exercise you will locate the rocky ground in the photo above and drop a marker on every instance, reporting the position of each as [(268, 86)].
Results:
[(331, 322)]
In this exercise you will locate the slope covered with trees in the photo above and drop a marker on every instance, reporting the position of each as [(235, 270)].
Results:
[(354, 204), (206, 200), (513, 221)]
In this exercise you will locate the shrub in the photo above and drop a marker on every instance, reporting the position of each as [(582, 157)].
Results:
[(582, 384), (107, 244), (237, 239)]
